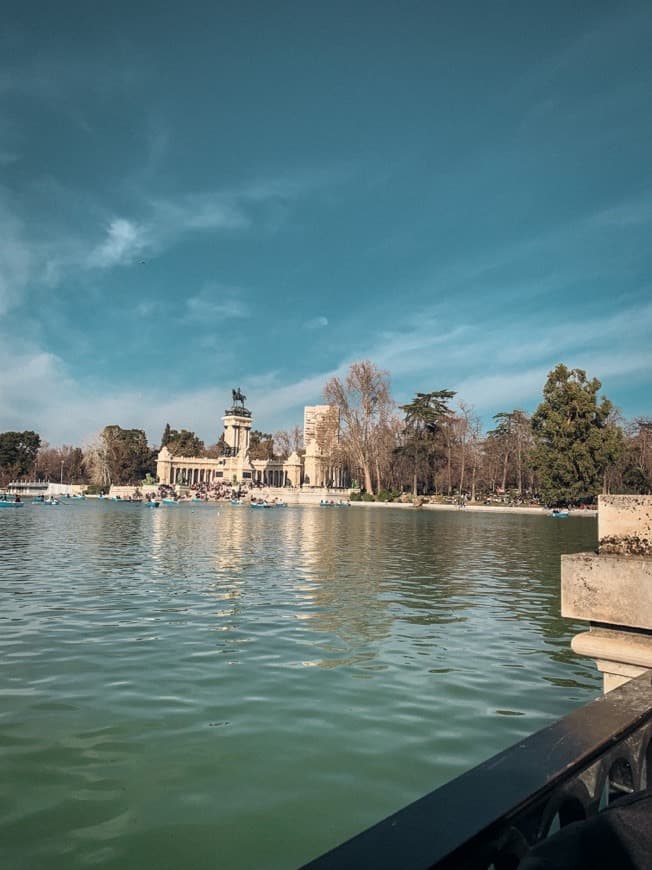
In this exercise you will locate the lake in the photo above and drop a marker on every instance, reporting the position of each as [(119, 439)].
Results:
[(212, 686)]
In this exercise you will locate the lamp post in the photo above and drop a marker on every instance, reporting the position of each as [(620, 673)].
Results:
[(62, 461)]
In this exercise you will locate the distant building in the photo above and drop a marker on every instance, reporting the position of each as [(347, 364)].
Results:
[(321, 439), (318, 468)]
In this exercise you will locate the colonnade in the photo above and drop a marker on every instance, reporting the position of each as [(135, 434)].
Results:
[(271, 476), (191, 475), (194, 474)]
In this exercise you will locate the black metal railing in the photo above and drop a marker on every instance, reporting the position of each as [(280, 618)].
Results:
[(491, 815)]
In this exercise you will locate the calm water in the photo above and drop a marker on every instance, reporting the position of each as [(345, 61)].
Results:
[(220, 687)]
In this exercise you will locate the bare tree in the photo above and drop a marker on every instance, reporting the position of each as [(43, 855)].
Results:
[(288, 441), (97, 463), (364, 402)]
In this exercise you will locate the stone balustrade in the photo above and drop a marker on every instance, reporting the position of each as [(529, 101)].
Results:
[(612, 590)]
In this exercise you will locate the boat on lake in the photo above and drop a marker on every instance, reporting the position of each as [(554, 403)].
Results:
[(169, 501), (557, 514), (10, 501), (261, 503)]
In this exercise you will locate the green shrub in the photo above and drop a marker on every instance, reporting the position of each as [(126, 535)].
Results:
[(355, 496), (95, 489), (387, 495)]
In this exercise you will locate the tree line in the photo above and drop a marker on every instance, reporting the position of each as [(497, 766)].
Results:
[(571, 448), (574, 446)]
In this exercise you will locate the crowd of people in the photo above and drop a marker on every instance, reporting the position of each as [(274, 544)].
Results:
[(217, 491)]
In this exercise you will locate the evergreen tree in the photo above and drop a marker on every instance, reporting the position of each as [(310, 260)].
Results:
[(125, 455), (184, 443), (425, 416), (261, 445), (18, 452), (167, 435), (575, 438)]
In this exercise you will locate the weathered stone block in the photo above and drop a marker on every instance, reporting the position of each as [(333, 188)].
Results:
[(625, 524), (615, 590)]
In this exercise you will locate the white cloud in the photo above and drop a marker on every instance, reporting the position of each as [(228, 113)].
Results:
[(125, 240), (38, 392), (39, 256)]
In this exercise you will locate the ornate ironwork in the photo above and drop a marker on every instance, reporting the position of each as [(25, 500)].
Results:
[(491, 815)]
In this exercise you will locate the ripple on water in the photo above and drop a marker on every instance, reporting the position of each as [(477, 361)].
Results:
[(177, 680)]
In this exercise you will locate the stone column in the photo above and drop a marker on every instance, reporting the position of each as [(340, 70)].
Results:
[(612, 589)]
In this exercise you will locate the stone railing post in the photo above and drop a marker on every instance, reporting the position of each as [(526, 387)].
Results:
[(612, 589)]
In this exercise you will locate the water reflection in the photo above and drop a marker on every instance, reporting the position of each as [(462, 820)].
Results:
[(380, 651)]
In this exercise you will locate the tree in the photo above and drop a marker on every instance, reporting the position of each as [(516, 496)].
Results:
[(638, 469), (18, 452), (167, 435), (183, 443), (467, 427), (575, 438), (511, 439), (425, 417), (288, 441), (123, 456), (65, 463), (261, 445), (364, 402)]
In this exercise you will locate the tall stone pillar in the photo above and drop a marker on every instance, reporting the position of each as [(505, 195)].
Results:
[(612, 589), (237, 426), (164, 466), (236, 432), (293, 469)]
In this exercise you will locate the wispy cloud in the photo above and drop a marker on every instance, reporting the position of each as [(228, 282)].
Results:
[(49, 255), (202, 310), (125, 240), (316, 323), (214, 303)]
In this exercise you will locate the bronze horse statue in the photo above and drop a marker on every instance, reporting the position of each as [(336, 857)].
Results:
[(238, 397)]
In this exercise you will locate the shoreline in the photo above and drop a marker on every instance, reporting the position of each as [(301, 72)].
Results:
[(476, 508), (313, 498)]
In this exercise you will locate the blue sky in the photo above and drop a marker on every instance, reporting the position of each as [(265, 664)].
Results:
[(207, 195)]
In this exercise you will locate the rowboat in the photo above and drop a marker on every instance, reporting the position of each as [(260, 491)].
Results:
[(169, 501), (558, 515), (6, 502)]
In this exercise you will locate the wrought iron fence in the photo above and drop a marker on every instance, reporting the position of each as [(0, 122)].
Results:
[(491, 815)]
